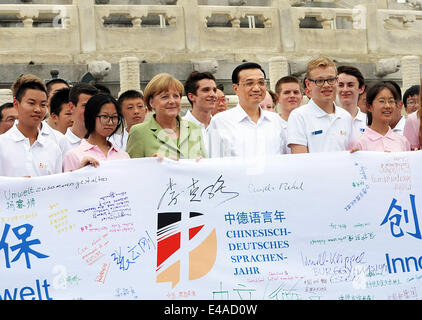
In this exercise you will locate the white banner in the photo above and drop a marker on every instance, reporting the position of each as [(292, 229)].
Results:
[(312, 226)]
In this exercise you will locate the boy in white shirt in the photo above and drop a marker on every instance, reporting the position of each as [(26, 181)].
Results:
[(201, 91), (24, 151), (134, 111), (290, 97), (79, 95), (350, 85), (320, 125)]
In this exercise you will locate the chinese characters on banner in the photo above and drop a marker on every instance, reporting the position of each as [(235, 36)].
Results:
[(334, 226)]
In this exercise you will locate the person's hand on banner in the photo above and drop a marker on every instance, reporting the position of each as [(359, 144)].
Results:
[(160, 157), (88, 161), (353, 150)]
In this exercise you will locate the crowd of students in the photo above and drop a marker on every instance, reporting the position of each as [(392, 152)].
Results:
[(54, 127)]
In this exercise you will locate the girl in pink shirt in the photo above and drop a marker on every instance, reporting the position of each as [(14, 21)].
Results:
[(102, 119), (381, 100), (412, 128)]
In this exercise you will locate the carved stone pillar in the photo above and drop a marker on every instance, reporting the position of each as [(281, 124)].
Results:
[(410, 70), (86, 25), (129, 74), (278, 68), (5, 96)]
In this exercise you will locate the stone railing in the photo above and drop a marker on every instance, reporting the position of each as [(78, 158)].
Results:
[(84, 31), (58, 42), (167, 36), (400, 31), (248, 29), (330, 38)]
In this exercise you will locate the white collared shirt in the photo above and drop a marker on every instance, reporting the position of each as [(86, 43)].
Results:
[(233, 134), (359, 124), (72, 138), (399, 128), (20, 159), (284, 126), (119, 140), (312, 127), (190, 117), (57, 136)]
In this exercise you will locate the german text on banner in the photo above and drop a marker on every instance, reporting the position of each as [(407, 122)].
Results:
[(312, 227)]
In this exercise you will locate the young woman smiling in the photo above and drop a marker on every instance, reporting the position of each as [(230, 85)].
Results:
[(102, 117), (381, 100)]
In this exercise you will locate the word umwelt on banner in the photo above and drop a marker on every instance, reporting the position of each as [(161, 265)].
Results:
[(313, 226)]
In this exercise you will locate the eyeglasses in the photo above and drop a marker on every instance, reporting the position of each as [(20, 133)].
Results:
[(390, 102), (223, 99), (412, 103), (105, 119), (251, 83), (320, 82)]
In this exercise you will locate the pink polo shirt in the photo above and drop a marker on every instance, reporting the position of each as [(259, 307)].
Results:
[(73, 157), (371, 140), (411, 129)]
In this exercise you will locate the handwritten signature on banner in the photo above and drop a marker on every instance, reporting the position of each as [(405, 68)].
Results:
[(197, 192), (133, 252)]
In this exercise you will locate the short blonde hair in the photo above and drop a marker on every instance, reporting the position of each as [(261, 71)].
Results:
[(24, 82), (319, 62), (159, 83)]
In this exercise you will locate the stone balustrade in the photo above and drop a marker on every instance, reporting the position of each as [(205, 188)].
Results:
[(401, 31), (83, 30), (57, 43), (330, 39)]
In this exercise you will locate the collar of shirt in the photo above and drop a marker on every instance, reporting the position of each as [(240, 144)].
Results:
[(17, 136), (360, 116), (85, 146), (373, 135), (190, 117), (319, 113), (400, 125), (45, 128), (73, 138), (241, 115)]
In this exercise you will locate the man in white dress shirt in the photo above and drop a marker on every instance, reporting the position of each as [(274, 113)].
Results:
[(201, 91), (246, 130), (350, 85), (320, 125)]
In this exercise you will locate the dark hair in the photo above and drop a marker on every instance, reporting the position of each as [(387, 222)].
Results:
[(244, 66), (373, 91), (49, 83), (129, 94), (25, 82), (6, 105), (80, 88), (93, 108), (274, 97), (286, 79), (59, 98), (102, 88), (352, 71), (191, 83), (220, 87), (410, 92), (396, 86)]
